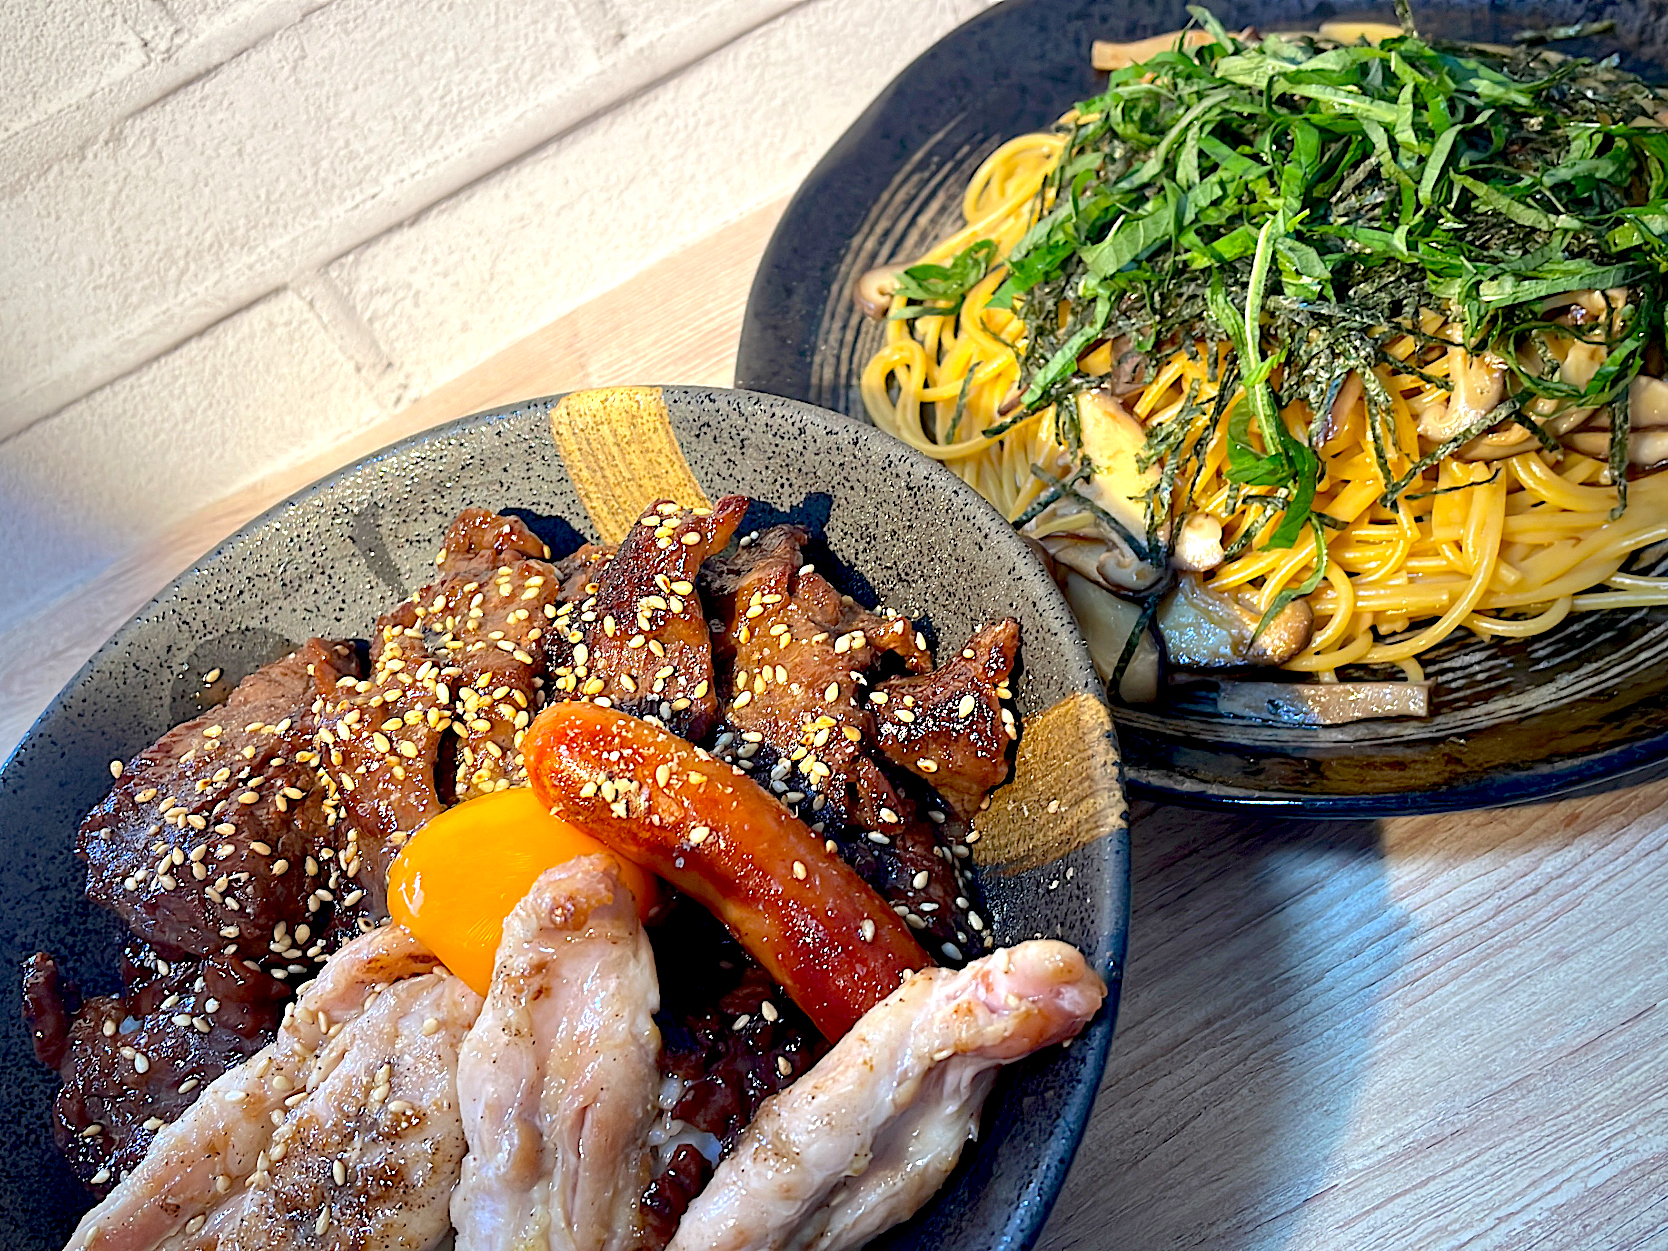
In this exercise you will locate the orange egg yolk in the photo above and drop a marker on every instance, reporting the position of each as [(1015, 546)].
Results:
[(461, 874)]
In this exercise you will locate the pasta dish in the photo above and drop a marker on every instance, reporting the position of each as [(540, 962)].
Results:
[(1309, 350)]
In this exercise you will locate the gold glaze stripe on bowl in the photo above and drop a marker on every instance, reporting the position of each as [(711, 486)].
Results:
[(1064, 794), (619, 450)]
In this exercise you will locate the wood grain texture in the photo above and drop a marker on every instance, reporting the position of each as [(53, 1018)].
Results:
[(1423, 1033), (1429, 1032)]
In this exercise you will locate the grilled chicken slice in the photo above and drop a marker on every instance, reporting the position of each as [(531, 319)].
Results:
[(559, 1075), (868, 1135), (343, 1132), (639, 642)]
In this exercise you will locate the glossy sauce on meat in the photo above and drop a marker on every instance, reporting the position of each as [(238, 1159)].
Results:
[(808, 715), (203, 845), (249, 844), (134, 1062)]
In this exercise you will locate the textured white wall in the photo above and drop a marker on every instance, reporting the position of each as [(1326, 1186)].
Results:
[(234, 231)]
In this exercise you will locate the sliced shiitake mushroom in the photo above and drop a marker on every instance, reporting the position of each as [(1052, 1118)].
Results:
[(873, 292), (1205, 629), (1479, 387), (1107, 622), (1198, 545)]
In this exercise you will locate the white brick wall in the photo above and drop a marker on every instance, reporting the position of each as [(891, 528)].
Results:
[(235, 230), (57, 60)]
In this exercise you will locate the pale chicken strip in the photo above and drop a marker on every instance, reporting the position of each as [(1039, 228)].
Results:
[(370, 1154), (203, 1182), (867, 1136), (559, 1074)]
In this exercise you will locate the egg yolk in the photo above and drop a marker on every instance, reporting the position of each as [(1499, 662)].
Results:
[(460, 875)]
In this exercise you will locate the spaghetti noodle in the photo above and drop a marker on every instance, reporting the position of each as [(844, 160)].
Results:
[(1504, 534)]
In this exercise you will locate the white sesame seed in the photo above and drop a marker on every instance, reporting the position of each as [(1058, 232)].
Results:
[(115, 768), (868, 930)]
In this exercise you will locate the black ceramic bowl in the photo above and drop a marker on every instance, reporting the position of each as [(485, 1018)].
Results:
[(1513, 720), (901, 531)]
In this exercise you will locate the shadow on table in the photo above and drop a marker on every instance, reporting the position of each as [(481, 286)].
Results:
[(1256, 947)]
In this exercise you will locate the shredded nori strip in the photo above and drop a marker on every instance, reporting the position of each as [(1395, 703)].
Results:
[(1309, 200)]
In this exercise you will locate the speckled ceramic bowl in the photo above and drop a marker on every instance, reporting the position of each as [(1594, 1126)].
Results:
[(1512, 719), (901, 532)]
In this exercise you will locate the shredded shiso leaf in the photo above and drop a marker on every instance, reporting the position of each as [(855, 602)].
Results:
[(1304, 200)]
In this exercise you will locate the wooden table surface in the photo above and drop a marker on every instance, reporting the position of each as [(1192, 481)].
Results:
[(1419, 1033)]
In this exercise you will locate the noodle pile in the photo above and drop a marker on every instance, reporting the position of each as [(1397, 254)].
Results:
[(1502, 548)]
